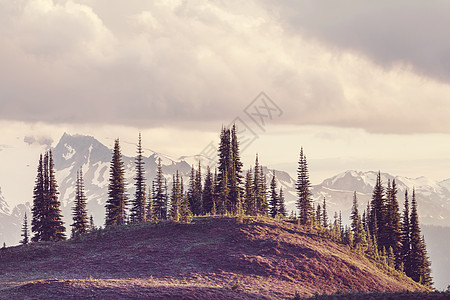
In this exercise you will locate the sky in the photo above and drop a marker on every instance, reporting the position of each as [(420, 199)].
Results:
[(359, 85)]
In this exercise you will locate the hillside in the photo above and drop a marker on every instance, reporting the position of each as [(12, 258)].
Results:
[(213, 256)]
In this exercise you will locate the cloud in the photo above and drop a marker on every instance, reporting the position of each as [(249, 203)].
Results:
[(196, 64), (41, 140), (388, 32)]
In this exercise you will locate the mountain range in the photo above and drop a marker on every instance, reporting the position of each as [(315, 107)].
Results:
[(77, 151)]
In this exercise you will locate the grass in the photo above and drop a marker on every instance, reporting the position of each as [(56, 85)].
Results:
[(221, 257)]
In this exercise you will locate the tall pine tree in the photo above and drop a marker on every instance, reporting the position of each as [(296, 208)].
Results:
[(235, 175), (208, 192), (324, 214), (377, 209), (117, 198), (303, 186), (52, 225), (273, 202), (25, 233), (159, 194), (176, 198), (249, 196), (418, 259), (281, 204), (139, 202), (392, 223), (80, 217), (38, 203), (406, 237)]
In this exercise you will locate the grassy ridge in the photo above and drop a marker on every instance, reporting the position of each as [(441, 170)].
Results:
[(222, 256)]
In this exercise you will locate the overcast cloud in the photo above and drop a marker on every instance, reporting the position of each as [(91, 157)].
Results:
[(380, 67)]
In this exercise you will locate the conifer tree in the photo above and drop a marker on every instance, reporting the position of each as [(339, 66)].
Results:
[(224, 168), (359, 234), (216, 193), (91, 224), (159, 197), (139, 202), (406, 237), (304, 202), (199, 191), (117, 198), (195, 191), (235, 172), (392, 223), (425, 269), (54, 229), (281, 205), (262, 195), (38, 203), (80, 218), (257, 188), (273, 202), (324, 214), (208, 192), (185, 212), (25, 233), (377, 209), (319, 214), (176, 198), (149, 211), (249, 197), (414, 259)]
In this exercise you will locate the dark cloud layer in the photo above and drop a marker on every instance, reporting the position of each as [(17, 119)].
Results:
[(149, 63), (389, 32)]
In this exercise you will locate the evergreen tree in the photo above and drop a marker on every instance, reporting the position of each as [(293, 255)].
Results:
[(176, 198), (149, 211), (418, 262), (235, 176), (195, 191), (257, 188), (139, 202), (359, 234), (324, 214), (216, 193), (406, 237), (425, 268), (38, 203), (54, 229), (319, 214), (208, 192), (117, 198), (25, 233), (91, 224), (377, 206), (199, 191), (392, 223), (262, 195), (224, 168), (185, 212), (273, 202), (281, 205), (249, 197), (159, 197), (80, 218), (304, 202)]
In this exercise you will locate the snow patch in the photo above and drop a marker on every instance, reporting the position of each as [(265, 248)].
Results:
[(70, 152)]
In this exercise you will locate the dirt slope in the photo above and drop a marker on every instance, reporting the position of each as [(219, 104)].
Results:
[(214, 257)]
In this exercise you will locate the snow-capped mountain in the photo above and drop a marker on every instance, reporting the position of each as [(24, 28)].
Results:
[(433, 197), (76, 151)]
